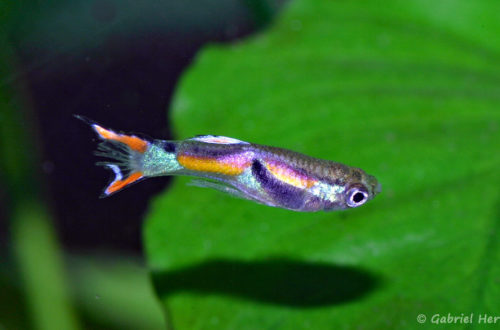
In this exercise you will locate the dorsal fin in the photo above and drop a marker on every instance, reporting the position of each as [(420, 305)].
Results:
[(217, 139)]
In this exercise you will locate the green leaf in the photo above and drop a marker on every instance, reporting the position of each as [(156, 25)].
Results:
[(408, 91)]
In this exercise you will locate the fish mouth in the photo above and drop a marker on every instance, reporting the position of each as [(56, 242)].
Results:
[(375, 186)]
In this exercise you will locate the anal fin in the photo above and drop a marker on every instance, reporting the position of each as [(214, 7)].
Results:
[(222, 187)]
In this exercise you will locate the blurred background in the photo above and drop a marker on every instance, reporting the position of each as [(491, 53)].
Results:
[(408, 91), (117, 62)]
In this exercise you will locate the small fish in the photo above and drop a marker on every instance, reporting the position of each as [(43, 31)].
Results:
[(263, 174)]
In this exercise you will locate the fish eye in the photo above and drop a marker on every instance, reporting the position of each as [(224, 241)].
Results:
[(356, 197)]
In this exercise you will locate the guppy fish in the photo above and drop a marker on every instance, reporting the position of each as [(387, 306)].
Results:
[(263, 174)]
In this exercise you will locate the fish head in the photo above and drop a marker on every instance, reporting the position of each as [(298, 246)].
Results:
[(360, 187)]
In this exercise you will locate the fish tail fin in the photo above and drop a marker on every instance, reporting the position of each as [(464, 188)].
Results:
[(125, 155)]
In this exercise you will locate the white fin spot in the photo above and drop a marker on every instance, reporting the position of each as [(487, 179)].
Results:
[(118, 173), (217, 139)]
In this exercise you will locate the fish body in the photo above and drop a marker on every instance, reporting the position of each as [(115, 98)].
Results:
[(267, 175)]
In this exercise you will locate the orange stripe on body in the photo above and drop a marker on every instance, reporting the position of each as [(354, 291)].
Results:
[(207, 164), (133, 142), (290, 176), (117, 185)]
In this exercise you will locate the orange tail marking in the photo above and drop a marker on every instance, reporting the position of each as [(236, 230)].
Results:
[(120, 184), (133, 142)]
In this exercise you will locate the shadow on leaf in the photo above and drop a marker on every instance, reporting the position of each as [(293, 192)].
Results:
[(278, 281)]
